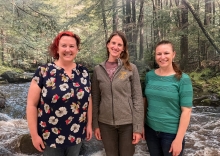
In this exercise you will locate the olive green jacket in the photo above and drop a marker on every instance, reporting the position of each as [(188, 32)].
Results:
[(119, 101)]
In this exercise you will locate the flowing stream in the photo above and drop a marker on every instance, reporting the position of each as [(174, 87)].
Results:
[(202, 138)]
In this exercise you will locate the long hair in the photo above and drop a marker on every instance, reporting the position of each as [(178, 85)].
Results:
[(53, 47), (124, 55), (178, 74)]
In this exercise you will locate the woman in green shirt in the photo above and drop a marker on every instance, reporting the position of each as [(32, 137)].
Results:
[(169, 96)]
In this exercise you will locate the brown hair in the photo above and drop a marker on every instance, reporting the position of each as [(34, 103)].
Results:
[(53, 48), (178, 74), (124, 55)]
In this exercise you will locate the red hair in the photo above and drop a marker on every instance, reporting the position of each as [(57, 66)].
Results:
[(53, 48)]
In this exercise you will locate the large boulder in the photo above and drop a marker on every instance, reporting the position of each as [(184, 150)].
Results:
[(13, 77), (10, 76), (88, 147), (26, 146)]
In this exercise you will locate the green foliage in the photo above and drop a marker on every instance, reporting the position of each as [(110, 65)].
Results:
[(29, 26), (6, 68)]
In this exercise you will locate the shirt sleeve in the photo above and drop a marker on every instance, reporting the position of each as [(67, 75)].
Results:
[(186, 91), (87, 77), (137, 98), (96, 98), (39, 75)]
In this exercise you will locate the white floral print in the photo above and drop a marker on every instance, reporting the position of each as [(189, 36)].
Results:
[(80, 94), (83, 80), (46, 108), (78, 140), (53, 72), (53, 120), (64, 78), (50, 82), (71, 138), (53, 145), (55, 130), (61, 112), (46, 135), (87, 89), (85, 73), (66, 96), (43, 124), (64, 87), (75, 108), (44, 92), (82, 117), (63, 104), (75, 128), (39, 112), (36, 79), (85, 106), (60, 139), (76, 84), (55, 98), (69, 120)]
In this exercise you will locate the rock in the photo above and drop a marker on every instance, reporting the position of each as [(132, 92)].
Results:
[(90, 147), (2, 103), (13, 77), (26, 146), (10, 76), (5, 152), (2, 100)]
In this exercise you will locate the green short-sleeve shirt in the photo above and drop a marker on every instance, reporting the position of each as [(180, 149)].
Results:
[(165, 96)]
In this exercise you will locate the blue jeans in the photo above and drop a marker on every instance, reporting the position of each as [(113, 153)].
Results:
[(68, 151), (159, 142)]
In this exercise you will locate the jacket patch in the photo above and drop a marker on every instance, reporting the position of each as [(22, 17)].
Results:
[(122, 75)]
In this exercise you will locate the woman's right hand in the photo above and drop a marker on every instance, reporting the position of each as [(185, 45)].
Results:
[(98, 134), (38, 143)]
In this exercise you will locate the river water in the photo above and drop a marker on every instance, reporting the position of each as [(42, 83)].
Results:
[(202, 138)]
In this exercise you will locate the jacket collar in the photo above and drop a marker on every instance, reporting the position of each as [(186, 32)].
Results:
[(120, 63)]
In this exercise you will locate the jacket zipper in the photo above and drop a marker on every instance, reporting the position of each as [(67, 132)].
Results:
[(113, 116)]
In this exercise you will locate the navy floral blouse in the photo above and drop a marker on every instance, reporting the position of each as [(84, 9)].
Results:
[(63, 104)]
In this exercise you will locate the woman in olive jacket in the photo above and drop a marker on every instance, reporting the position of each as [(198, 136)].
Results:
[(118, 111)]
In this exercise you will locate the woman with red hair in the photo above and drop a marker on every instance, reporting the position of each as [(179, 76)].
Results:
[(59, 108)]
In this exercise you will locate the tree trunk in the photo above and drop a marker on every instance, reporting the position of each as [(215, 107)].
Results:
[(104, 19), (184, 38), (134, 31), (141, 30), (206, 33), (2, 46), (128, 29), (115, 16)]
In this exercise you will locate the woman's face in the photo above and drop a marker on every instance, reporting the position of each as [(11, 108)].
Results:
[(67, 48), (115, 47), (164, 55)]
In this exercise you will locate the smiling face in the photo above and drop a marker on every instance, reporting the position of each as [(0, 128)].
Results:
[(164, 55), (67, 48), (115, 47)]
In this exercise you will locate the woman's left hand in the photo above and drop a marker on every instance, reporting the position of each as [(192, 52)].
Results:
[(136, 138), (88, 132), (176, 147)]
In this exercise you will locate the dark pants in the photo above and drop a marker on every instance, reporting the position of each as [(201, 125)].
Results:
[(117, 140), (68, 151), (159, 143)]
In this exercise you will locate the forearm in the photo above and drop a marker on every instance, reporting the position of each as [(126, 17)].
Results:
[(89, 112), (184, 123), (145, 108), (32, 119)]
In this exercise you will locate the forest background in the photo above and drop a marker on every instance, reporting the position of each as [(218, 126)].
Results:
[(27, 27)]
